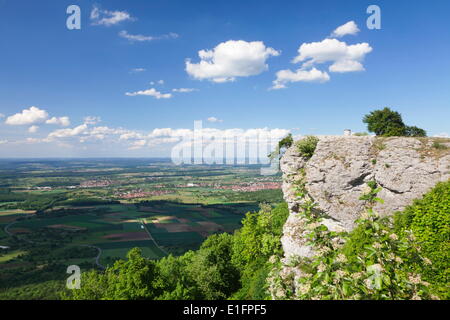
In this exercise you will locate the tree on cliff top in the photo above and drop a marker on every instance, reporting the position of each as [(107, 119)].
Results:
[(389, 123)]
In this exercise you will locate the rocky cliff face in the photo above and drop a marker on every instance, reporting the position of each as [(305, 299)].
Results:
[(337, 175)]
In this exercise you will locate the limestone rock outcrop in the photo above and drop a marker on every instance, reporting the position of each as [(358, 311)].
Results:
[(338, 172)]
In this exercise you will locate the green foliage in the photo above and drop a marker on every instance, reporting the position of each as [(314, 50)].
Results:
[(259, 235), (379, 145), (29, 276), (413, 131), (212, 270), (361, 134), (286, 142), (283, 144), (88, 202), (270, 196), (385, 123), (32, 201), (429, 220), (7, 196), (307, 146), (439, 146), (371, 196), (379, 260), (389, 123), (132, 279), (47, 290), (254, 244), (254, 286), (178, 285)]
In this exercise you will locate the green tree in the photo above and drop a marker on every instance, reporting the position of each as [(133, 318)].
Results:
[(389, 123), (131, 279), (212, 268), (413, 131), (178, 284), (254, 244), (385, 123), (282, 146)]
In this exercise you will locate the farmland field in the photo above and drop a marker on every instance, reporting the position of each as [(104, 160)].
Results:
[(173, 226), (55, 213)]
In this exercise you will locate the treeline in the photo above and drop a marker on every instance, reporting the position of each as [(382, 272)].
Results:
[(269, 196), (47, 290), (40, 273), (12, 197), (88, 202), (27, 201), (42, 202)]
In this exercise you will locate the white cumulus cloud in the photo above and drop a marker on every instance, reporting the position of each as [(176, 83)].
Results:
[(142, 38), (214, 120), (70, 132), (138, 144), (130, 135), (286, 76), (341, 57), (92, 120), (184, 90), (150, 92), (160, 82), (230, 60), (108, 18), (344, 58), (346, 66), (28, 116), (349, 28), (137, 70), (135, 37), (61, 121), (33, 129)]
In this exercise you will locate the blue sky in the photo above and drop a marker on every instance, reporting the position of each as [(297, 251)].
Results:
[(68, 75)]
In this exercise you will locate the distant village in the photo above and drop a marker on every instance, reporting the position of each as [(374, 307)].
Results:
[(257, 185)]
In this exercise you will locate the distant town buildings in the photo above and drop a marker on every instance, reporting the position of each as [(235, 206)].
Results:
[(97, 183), (133, 194), (251, 187)]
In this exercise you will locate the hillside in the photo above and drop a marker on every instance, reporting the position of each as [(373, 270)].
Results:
[(330, 184)]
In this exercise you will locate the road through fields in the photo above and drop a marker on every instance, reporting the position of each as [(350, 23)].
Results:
[(144, 224)]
